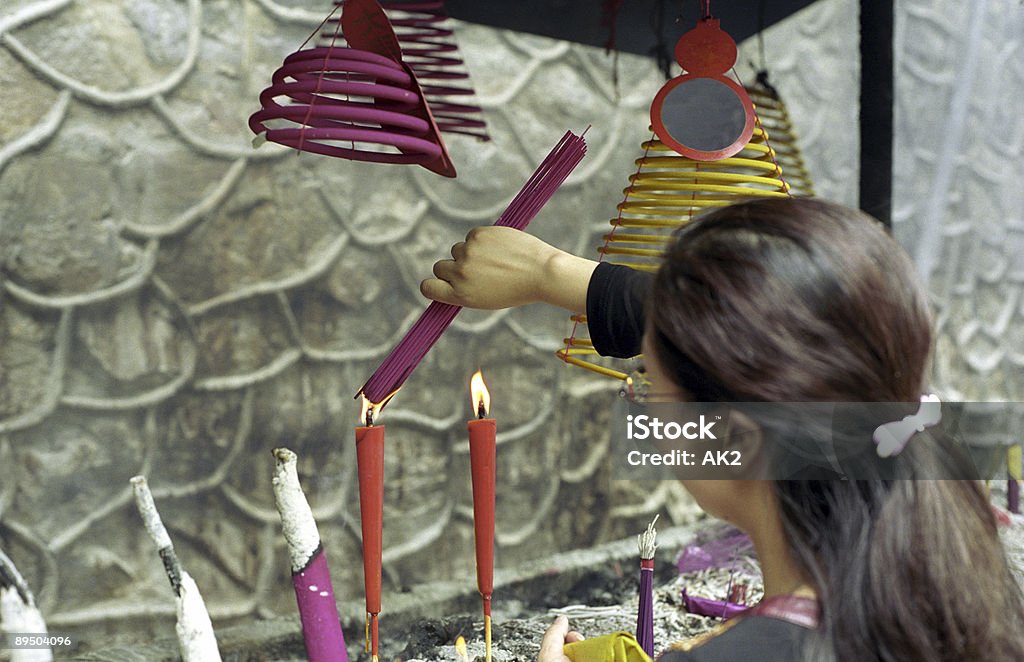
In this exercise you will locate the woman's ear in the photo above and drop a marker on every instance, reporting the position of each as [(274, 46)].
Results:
[(743, 438)]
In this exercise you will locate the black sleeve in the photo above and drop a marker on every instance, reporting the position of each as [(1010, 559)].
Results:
[(615, 309), (753, 638)]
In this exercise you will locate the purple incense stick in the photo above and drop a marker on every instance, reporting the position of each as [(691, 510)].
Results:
[(648, 545), (407, 354), (722, 609), (645, 610), (318, 610), (719, 549)]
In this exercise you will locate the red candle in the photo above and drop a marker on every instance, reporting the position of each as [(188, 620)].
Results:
[(370, 461), (482, 453)]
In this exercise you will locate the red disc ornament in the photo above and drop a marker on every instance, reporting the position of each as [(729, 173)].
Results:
[(702, 114), (428, 46), (360, 102)]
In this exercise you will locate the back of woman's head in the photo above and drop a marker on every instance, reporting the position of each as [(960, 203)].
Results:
[(791, 300), (796, 300)]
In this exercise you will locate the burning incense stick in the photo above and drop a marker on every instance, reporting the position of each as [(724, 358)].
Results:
[(311, 579), (404, 358), (648, 545), (195, 631), (18, 612)]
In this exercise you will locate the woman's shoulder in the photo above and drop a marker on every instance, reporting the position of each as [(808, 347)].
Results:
[(772, 632)]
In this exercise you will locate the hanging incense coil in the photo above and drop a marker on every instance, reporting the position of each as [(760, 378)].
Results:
[(774, 118), (665, 193), (359, 102), (429, 48), (343, 97)]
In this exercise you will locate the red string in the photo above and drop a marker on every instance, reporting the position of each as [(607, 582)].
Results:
[(767, 142), (608, 238)]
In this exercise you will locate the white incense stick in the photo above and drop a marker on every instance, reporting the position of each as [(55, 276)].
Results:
[(18, 612), (647, 542), (296, 517), (195, 631)]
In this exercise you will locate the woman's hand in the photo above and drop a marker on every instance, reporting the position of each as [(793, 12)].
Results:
[(555, 639), (499, 267)]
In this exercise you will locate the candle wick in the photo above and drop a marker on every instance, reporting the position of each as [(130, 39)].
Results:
[(369, 417), (481, 412)]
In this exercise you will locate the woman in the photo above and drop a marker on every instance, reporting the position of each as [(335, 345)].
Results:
[(794, 300)]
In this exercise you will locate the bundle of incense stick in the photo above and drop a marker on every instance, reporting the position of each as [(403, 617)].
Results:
[(314, 593), (18, 612), (404, 358), (194, 629), (648, 545)]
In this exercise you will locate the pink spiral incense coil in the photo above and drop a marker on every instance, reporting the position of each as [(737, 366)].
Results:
[(429, 48), (347, 103)]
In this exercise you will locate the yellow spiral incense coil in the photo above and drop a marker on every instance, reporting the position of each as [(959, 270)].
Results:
[(664, 194), (774, 118)]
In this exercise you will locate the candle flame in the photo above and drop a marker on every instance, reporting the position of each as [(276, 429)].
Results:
[(460, 646), (369, 411), (481, 397)]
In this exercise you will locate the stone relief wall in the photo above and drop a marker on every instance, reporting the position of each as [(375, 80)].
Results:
[(958, 147), (176, 303), (959, 203)]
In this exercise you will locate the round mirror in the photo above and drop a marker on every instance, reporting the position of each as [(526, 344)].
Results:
[(703, 118)]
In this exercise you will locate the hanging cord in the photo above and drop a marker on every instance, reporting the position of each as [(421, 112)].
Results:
[(762, 67), (660, 50), (608, 239), (757, 122), (761, 11), (609, 17), (320, 77)]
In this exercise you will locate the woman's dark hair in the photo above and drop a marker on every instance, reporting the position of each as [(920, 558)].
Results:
[(794, 300)]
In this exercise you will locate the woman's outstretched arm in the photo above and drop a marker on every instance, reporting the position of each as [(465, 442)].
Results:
[(497, 267)]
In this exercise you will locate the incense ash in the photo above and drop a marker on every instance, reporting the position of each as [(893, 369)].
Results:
[(602, 602)]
